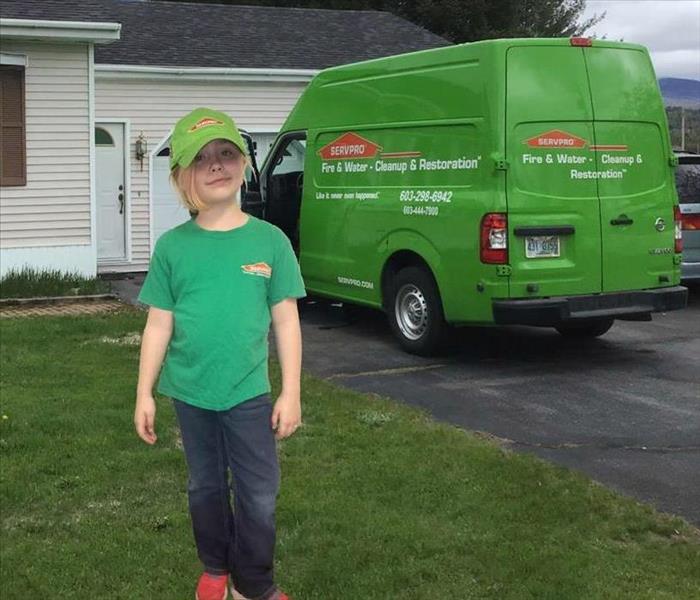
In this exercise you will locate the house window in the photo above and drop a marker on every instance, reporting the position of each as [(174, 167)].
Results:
[(102, 137), (13, 154)]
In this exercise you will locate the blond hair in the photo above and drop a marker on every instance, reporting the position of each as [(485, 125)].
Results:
[(182, 179)]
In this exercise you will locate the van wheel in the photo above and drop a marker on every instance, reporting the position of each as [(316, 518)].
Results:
[(585, 329), (415, 312)]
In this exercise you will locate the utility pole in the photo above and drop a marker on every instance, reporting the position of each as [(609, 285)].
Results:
[(683, 128)]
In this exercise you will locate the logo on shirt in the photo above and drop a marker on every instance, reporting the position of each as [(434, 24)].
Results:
[(261, 269)]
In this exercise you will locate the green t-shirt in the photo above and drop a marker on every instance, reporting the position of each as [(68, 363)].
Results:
[(220, 287)]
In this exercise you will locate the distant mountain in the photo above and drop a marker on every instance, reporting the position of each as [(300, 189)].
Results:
[(680, 92)]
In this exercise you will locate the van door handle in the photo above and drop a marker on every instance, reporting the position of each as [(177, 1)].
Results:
[(622, 220)]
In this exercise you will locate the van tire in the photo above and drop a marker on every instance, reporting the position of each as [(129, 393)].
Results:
[(415, 312), (586, 329)]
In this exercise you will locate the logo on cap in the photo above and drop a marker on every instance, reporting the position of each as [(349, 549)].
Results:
[(206, 122)]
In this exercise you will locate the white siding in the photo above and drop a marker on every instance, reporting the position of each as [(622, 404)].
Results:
[(152, 107), (69, 259), (53, 209)]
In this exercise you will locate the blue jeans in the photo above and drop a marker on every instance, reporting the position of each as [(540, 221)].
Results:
[(240, 440)]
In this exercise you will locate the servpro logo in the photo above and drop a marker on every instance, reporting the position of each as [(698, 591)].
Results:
[(349, 145), (261, 269), (556, 139), (204, 123)]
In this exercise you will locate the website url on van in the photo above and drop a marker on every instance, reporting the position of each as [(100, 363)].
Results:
[(356, 282)]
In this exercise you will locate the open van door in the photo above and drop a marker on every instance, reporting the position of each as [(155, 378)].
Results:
[(282, 181), (251, 200)]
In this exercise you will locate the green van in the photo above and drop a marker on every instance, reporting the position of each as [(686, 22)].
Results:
[(519, 181)]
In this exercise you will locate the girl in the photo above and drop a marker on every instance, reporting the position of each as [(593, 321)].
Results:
[(214, 286)]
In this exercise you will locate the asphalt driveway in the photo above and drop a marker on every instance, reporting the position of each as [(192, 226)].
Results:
[(624, 409)]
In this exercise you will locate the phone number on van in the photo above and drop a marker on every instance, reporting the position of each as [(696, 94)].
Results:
[(424, 211), (425, 196)]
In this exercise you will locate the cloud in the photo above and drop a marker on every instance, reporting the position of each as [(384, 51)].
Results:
[(677, 63), (670, 29)]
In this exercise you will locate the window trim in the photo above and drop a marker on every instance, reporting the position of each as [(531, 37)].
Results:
[(15, 60)]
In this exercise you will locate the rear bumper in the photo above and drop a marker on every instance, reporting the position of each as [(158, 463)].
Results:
[(553, 311)]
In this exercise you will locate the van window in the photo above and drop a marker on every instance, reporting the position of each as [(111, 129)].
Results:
[(291, 158)]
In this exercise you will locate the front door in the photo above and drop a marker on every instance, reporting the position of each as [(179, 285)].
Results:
[(111, 192)]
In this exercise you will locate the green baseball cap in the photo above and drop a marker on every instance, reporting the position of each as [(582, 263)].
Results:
[(196, 129)]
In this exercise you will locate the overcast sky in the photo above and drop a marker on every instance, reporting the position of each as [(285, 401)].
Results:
[(669, 28)]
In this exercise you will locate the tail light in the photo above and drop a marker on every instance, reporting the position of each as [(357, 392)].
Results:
[(581, 41), (678, 229), (690, 222), (494, 239)]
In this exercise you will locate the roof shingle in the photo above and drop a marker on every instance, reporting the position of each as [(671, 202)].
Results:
[(213, 35)]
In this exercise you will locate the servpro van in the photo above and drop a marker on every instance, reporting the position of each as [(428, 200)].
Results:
[(499, 182)]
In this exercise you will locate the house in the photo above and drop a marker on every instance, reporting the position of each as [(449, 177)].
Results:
[(91, 89)]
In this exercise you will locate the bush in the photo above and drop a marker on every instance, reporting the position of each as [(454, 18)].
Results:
[(30, 283)]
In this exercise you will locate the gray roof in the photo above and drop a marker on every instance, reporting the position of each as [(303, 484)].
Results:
[(215, 35)]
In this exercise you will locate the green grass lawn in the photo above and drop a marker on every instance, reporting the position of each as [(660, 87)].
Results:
[(378, 502)]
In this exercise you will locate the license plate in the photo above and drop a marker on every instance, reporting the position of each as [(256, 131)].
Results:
[(542, 246)]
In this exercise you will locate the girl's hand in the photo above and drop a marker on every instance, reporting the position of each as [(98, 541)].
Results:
[(286, 415), (145, 419)]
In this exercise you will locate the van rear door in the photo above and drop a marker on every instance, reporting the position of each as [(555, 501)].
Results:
[(634, 174), (554, 240)]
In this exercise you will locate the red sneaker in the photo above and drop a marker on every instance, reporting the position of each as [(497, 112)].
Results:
[(236, 595), (212, 587)]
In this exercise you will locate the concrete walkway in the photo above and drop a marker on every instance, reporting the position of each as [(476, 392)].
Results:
[(127, 288), (60, 309)]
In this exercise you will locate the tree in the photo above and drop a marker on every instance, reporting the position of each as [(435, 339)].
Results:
[(466, 20)]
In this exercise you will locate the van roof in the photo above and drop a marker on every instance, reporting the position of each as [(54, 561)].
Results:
[(309, 110), (436, 54)]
